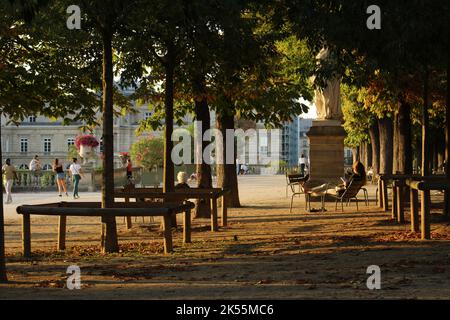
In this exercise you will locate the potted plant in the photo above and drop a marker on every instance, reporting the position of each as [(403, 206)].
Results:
[(85, 145)]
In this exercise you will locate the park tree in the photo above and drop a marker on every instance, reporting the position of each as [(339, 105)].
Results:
[(218, 50), (152, 53), (408, 47), (357, 120), (148, 152), (102, 22), (38, 76), (263, 85)]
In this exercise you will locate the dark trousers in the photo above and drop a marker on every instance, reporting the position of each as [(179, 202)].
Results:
[(302, 169), (76, 181)]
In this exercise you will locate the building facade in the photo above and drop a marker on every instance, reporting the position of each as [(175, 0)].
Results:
[(49, 139), (303, 127)]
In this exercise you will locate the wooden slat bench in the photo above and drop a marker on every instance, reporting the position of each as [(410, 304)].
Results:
[(416, 184), (424, 187), (208, 194), (93, 209), (399, 182)]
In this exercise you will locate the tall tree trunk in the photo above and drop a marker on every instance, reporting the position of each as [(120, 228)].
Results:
[(355, 154), (202, 208), (375, 146), (441, 150), (419, 153), (425, 127), (169, 168), (386, 150), (3, 275), (362, 153), (169, 174), (368, 155), (447, 142), (405, 151), (395, 147), (434, 140), (109, 228), (226, 172)]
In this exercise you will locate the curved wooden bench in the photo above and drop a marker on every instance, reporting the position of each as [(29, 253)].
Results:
[(93, 209), (208, 194)]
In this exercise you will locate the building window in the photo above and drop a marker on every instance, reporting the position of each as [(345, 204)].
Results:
[(47, 145), (47, 167), (23, 145), (263, 145), (32, 119), (23, 166), (147, 115), (70, 142)]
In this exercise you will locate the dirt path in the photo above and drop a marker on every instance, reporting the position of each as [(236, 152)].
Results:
[(265, 253)]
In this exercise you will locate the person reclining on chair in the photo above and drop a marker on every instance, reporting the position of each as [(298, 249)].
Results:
[(358, 174)]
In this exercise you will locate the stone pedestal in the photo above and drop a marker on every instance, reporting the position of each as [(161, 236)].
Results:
[(326, 138), (87, 181)]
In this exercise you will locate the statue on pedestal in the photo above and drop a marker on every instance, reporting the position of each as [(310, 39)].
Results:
[(327, 100)]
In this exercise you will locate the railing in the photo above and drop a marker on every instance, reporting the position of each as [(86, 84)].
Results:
[(46, 179), (28, 180)]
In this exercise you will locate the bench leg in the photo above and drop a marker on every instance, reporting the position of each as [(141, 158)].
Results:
[(400, 205), (447, 204), (26, 235), (62, 233), (414, 195), (380, 193), (187, 226), (224, 211), (128, 219), (384, 191), (425, 212), (129, 224), (214, 226), (394, 203), (167, 229)]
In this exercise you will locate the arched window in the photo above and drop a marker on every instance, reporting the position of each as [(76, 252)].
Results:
[(23, 167), (47, 167)]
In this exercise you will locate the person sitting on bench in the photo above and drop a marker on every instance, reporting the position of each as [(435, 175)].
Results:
[(182, 181)]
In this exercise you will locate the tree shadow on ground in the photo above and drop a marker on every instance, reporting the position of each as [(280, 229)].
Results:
[(405, 266)]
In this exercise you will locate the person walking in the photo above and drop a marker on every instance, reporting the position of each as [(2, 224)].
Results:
[(129, 169), (10, 174), (35, 168), (75, 172), (238, 166), (302, 163), (60, 177)]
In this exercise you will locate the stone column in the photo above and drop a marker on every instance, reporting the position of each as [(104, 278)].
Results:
[(326, 138), (87, 182)]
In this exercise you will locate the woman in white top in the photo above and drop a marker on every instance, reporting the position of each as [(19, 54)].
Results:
[(75, 172)]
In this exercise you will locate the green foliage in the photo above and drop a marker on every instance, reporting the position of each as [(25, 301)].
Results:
[(72, 153), (148, 152), (245, 63), (357, 118)]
